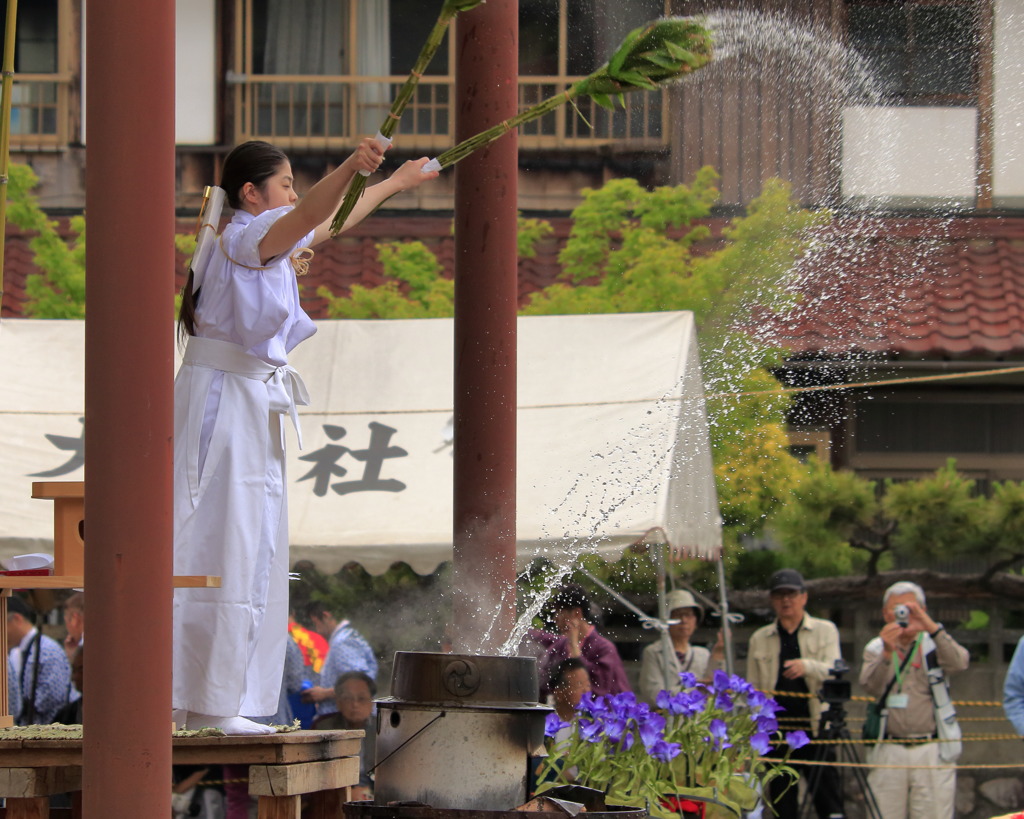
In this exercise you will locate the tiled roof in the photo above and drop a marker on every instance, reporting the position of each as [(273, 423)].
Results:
[(350, 259), (910, 289), (900, 287)]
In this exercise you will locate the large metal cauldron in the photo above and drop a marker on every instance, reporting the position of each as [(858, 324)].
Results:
[(457, 730), (564, 802)]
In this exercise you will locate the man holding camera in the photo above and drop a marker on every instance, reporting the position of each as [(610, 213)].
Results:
[(905, 667), (793, 656)]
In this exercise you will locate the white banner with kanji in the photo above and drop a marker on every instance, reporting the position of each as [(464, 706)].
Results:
[(612, 437)]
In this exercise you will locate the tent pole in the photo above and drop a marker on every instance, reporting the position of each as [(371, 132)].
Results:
[(667, 649), (723, 596)]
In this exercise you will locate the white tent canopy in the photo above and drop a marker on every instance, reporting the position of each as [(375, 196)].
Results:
[(612, 438)]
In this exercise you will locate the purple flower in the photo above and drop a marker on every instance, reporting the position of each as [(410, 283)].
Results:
[(740, 685), (590, 730), (641, 711), (688, 679), (623, 704), (664, 751), (761, 743), (797, 739), (689, 703), (652, 730), (723, 702), (719, 731), (767, 725), (721, 681), (761, 704), (664, 701), (553, 724), (614, 728), (588, 704)]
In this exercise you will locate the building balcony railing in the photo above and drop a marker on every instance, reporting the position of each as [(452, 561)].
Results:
[(39, 111), (317, 113)]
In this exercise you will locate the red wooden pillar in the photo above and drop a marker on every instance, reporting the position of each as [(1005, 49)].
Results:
[(128, 405), (486, 92)]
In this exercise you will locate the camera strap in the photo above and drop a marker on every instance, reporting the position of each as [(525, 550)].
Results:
[(898, 670), (897, 674)]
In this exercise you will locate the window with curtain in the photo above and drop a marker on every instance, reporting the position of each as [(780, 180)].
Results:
[(37, 48), (308, 42)]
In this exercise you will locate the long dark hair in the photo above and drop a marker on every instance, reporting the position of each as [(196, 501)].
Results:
[(252, 161)]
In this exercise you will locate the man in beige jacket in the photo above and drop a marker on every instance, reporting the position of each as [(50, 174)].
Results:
[(793, 656)]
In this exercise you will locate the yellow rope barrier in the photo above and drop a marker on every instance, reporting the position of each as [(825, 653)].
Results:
[(862, 384), (978, 767), (863, 698)]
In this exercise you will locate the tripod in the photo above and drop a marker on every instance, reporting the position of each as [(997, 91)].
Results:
[(833, 727)]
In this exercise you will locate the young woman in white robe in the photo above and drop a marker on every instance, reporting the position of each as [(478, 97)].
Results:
[(231, 397)]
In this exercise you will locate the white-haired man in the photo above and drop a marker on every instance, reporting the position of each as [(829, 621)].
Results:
[(897, 664)]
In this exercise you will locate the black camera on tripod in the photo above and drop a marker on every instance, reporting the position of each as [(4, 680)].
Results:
[(834, 689)]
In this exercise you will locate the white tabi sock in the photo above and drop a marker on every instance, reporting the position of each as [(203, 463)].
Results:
[(233, 726)]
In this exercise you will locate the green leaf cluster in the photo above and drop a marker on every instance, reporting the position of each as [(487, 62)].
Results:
[(59, 291), (413, 287), (659, 52), (632, 250), (837, 522)]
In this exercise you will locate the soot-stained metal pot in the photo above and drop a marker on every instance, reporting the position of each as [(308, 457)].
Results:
[(458, 730)]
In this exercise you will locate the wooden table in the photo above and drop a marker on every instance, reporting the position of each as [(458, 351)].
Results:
[(282, 769)]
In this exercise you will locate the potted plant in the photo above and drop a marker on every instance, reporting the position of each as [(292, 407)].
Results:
[(703, 746)]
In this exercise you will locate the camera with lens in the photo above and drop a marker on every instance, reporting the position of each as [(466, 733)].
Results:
[(834, 689), (902, 614)]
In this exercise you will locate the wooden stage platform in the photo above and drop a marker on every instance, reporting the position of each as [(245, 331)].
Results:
[(282, 769)]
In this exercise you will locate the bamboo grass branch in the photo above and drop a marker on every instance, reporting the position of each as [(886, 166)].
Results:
[(387, 128), (5, 125), (651, 56)]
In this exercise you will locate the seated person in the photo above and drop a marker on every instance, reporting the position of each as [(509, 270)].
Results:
[(578, 638), (683, 608), (353, 693), (71, 714), (568, 683)]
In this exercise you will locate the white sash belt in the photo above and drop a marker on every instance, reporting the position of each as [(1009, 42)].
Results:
[(285, 387)]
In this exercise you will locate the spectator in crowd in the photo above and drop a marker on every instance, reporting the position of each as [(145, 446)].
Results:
[(13, 691), (71, 714), (1013, 689), (687, 613), (74, 623), (793, 656), (577, 637), (314, 650), (353, 695), (916, 774), (569, 681), (40, 666), (347, 651)]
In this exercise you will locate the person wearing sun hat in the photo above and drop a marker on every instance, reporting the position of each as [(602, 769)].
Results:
[(685, 615)]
